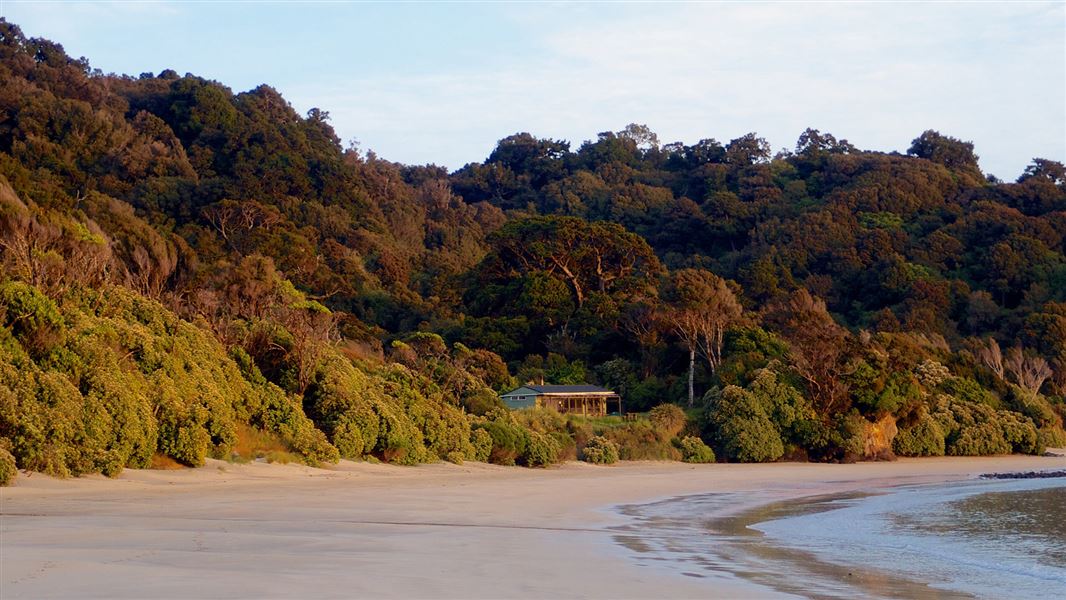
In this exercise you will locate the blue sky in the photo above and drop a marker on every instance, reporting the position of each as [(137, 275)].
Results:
[(442, 82)]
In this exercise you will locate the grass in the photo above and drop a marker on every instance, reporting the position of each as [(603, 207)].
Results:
[(162, 462), (255, 444)]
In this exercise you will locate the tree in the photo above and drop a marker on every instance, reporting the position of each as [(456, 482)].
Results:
[(816, 347), (1047, 170), (1029, 371), (814, 143), (948, 151), (643, 319), (746, 150), (992, 357), (588, 257), (700, 307)]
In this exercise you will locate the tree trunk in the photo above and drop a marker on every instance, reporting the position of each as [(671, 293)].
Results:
[(691, 374)]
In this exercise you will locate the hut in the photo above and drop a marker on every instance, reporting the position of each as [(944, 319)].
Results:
[(587, 400)]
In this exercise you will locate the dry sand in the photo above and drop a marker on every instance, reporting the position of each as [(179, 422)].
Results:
[(371, 531)]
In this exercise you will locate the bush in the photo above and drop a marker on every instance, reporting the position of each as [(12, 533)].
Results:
[(640, 440), (972, 429), (8, 470), (1051, 437), (600, 451), (693, 450), (741, 428), (668, 420), (923, 438), (481, 440), (541, 450), (509, 439)]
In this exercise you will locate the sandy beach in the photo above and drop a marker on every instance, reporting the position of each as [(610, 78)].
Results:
[(373, 531)]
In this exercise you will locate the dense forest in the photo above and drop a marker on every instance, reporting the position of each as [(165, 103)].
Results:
[(188, 272)]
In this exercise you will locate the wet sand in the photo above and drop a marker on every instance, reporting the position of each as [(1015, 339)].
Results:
[(373, 531)]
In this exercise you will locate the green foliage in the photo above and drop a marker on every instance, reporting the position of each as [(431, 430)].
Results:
[(741, 427), (481, 440), (600, 451), (668, 420), (294, 269), (509, 439), (968, 390), (923, 438), (694, 450), (972, 429), (8, 470), (541, 450), (848, 436), (33, 318)]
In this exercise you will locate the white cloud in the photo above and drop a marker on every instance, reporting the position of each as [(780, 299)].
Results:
[(876, 74)]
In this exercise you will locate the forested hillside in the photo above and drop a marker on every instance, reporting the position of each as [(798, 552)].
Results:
[(191, 272)]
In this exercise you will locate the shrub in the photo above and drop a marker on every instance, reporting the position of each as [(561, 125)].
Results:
[(923, 438), (34, 318), (541, 450), (540, 419), (1051, 437), (481, 440), (972, 429), (741, 428), (600, 451), (509, 439), (668, 420), (8, 470), (640, 440), (693, 450)]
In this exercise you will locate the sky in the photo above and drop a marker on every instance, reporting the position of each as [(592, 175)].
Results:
[(442, 82)]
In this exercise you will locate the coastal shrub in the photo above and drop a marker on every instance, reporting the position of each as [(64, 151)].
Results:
[(509, 439), (480, 401), (972, 429), (8, 469), (351, 406), (1051, 437), (125, 380), (1019, 431), (848, 436), (456, 458), (444, 426), (668, 420), (580, 431), (741, 428), (541, 450), (481, 440), (540, 419), (968, 390), (923, 438), (600, 451), (33, 317), (641, 440), (282, 413), (876, 391), (1034, 406), (788, 409), (693, 450)]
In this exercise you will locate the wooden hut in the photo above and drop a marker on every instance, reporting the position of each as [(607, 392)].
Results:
[(587, 400)]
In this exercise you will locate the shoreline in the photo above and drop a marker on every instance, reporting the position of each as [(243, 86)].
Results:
[(362, 530)]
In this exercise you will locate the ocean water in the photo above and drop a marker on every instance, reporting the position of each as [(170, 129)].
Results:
[(987, 539), (979, 538)]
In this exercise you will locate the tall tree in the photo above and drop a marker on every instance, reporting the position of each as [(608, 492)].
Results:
[(700, 307), (817, 347)]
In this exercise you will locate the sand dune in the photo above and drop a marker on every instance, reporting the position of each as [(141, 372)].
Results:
[(373, 531)]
